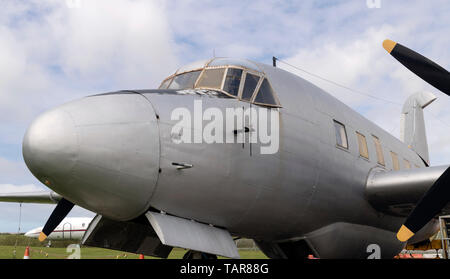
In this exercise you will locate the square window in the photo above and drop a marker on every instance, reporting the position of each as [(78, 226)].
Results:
[(395, 163), (407, 164), (232, 81), (249, 87), (362, 143), (379, 150), (265, 94), (184, 81), (211, 78), (341, 134)]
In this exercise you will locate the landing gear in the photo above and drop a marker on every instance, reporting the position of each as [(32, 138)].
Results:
[(191, 255)]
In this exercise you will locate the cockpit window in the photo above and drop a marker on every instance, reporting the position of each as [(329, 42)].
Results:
[(165, 83), (233, 81), (212, 78), (249, 86), (266, 94), (184, 81), (236, 78)]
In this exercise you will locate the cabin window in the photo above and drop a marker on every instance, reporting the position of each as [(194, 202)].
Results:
[(395, 163), (165, 84), (249, 87), (379, 149), (266, 94), (362, 143), (407, 164), (232, 81), (341, 135), (184, 81), (212, 78)]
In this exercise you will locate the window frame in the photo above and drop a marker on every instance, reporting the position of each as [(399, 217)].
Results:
[(241, 84), (275, 97), (258, 86), (171, 79), (407, 164), (183, 73), (245, 70), (345, 132), (196, 84), (244, 78), (362, 136), (379, 151), (393, 154)]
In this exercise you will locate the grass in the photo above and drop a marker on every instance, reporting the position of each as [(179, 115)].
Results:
[(7, 252), (58, 250), (21, 240)]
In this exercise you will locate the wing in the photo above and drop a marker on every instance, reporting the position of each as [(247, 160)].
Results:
[(31, 197), (398, 192)]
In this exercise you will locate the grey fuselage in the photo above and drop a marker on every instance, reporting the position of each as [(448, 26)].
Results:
[(121, 154)]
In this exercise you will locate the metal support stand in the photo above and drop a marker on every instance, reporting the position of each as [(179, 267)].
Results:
[(444, 222), (18, 231)]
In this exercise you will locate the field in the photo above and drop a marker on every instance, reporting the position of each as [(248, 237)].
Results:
[(59, 250)]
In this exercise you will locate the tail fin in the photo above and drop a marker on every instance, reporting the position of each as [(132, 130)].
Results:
[(412, 129)]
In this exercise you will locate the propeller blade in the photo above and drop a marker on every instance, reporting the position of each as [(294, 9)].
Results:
[(420, 65), (59, 213), (428, 207)]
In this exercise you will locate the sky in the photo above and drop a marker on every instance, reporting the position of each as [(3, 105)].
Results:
[(55, 51)]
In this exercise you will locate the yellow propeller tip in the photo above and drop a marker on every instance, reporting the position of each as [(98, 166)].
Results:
[(404, 234), (42, 236), (389, 45)]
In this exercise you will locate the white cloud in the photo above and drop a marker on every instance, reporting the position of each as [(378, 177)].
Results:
[(11, 188), (100, 39), (354, 57), (14, 171), (51, 54)]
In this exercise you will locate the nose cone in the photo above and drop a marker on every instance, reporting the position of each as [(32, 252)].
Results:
[(50, 147), (99, 152)]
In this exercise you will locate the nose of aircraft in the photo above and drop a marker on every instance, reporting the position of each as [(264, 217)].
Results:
[(50, 146), (99, 152)]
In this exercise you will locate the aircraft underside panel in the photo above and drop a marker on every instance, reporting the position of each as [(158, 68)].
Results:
[(353, 241), (155, 234), (134, 237), (179, 232)]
